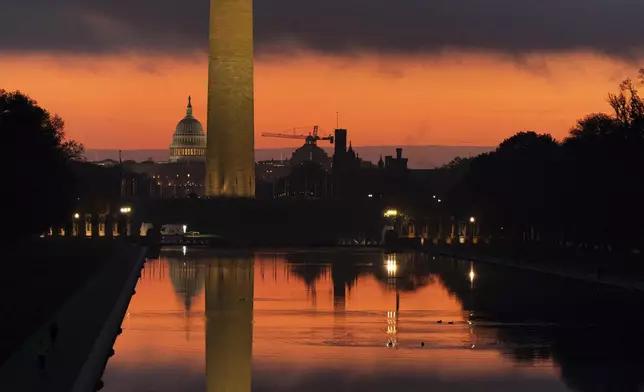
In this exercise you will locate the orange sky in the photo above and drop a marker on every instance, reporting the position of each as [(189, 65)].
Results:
[(134, 101)]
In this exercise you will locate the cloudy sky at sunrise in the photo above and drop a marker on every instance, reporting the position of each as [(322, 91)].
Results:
[(413, 72)]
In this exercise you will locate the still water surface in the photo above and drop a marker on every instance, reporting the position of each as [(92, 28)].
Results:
[(348, 321)]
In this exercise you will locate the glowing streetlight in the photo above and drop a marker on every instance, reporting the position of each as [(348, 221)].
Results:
[(126, 210), (391, 213), (472, 219), (76, 215)]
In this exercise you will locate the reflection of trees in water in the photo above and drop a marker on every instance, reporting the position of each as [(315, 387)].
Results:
[(343, 268), (591, 332), (607, 358), (409, 272), (412, 272), (595, 339)]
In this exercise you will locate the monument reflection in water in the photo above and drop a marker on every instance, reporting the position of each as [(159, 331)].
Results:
[(229, 324), (321, 321)]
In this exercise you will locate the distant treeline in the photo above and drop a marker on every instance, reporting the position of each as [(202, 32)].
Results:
[(586, 189)]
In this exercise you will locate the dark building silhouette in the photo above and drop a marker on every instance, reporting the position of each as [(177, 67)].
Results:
[(340, 147), (398, 164)]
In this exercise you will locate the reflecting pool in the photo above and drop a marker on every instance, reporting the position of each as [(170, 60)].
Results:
[(345, 321)]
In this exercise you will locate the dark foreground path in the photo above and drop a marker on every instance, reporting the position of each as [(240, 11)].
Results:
[(37, 278), (75, 283)]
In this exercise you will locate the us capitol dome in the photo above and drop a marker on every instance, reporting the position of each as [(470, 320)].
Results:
[(189, 140)]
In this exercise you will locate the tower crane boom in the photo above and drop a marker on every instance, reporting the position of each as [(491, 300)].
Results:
[(311, 138)]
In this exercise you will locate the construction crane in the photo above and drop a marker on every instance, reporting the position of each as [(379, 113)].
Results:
[(311, 138)]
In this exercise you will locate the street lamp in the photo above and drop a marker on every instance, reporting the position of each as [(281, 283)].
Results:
[(126, 211), (391, 213), (474, 230), (76, 224)]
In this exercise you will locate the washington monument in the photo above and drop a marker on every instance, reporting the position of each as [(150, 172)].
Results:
[(230, 161)]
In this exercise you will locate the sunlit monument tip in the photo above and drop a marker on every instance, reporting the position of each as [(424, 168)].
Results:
[(230, 163)]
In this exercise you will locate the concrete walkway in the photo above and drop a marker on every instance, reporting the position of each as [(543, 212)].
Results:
[(80, 322), (548, 269)]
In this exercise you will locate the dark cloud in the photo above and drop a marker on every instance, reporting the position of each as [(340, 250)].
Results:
[(613, 27)]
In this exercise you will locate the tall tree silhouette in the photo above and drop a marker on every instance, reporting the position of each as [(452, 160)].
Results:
[(39, 186), (588, 189)]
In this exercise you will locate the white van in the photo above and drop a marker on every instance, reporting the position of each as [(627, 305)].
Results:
[(173, 229)]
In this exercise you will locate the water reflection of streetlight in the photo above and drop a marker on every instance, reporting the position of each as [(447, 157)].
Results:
[(472, 275), (392, 329), (392, 265)]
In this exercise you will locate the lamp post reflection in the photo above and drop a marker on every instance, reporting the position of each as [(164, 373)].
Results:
[(392, 265), (392, 317), (471, 275)]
